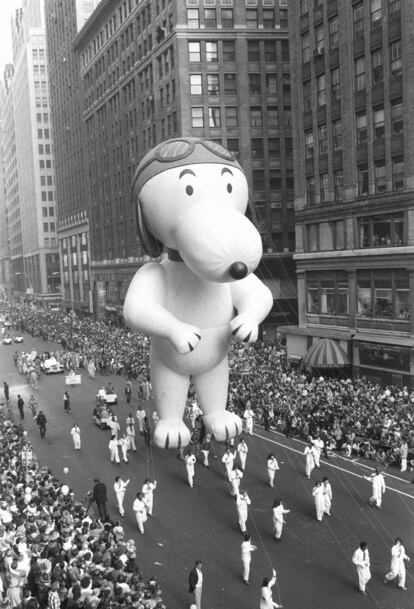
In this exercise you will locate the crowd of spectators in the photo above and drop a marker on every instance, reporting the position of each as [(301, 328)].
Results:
[(55, 552), (355, 417)]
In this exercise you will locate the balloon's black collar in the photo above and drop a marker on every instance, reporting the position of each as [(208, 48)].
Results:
[(173, 255)]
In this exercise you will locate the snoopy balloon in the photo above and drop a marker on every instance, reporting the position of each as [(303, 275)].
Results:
[(191, 197)]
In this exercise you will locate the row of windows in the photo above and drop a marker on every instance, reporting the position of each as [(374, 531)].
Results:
[(49, 227), (47, 195), (376, 12), (258, 116), (215, 83), (46, 180), (48, 211), (380, 293), (43, 134), (265, 18)]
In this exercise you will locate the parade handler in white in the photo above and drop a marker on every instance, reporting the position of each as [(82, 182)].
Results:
[(191, 197), (397, 569), (378, 488), (361, 560)]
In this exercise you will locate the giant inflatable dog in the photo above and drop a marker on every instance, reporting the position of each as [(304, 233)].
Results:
[(191, 197)]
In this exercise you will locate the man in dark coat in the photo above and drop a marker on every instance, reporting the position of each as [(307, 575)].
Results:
[(99, 496), (20, 404), (195, 583), (41, 422)]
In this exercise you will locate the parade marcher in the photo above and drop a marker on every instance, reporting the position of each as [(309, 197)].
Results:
[(20, 406), (272, 467), (190, 460), (66, 402), (99, 496), (278, 512), (243, 501), (266, 597), (242, 450), (140, 414), (228, 460), (114, 426), (317, 444), (235, 477), (248, 417), (246, 555), (397, 569), (148, 489), (309, 460), (140, 512), (120, 489), (361, 560), (76, 436), (327, 496), (147, 431), (123, 444), (33, 405), (205, 449), (317, 494), (403, 456), (41, 423), (130, 433), (378, 488), (113, 450), (193, 413), (128, 391), (155, 418), (195, 583)]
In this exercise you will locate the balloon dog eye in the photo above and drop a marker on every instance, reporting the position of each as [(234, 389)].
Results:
[(229, 188), (189, 190)]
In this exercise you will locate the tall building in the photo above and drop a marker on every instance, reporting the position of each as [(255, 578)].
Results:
[(154, 69), (30, 191), (5, 272), (352, 102), (63, 20)]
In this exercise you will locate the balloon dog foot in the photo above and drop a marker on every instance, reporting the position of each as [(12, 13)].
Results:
[(171, 433), (223, 425)]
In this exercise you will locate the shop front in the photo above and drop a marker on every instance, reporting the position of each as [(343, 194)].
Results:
[(384, 364)]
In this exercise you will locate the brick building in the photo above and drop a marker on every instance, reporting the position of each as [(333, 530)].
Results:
[(352, 102), (154, 69)]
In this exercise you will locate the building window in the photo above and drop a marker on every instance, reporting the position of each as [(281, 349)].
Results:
[(335, 85), (310, 190), (379, 174), (323, 139), (376, 14), (383, 293), (283, 18), (286, 83), (257, 148), (230, 84), (270, 51), (211, 52), (304, 7), (309, 144), (307, 96), (358, 19), (251, 19), (232, 120), (256, 116), (321, 90), (210, 19), (377, 66), (268, 19), (255, 85), (327, 292), (337, 135), (194, 52), (333, 33), (324, 187), (227, 19), (214, 117), (398, 173), (285, 51), (397, 117), (195, 84), (362, 180), (233, 146), (193, 19), (396, 58), (197, 119), (271, 83), (312, 231), (273, 148), (361, 128), (379, 123), (360, 76), (338, 184), (381, 231), (213, 86), (273, 117), (253, 51), (229, 51), (306, 48), (319, 38), (258, 180), (394, 8)]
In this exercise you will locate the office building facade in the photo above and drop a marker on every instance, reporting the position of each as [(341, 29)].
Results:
[(352, 101), (155, 69)]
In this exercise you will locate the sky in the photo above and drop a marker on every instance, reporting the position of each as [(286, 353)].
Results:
[(7, 8)]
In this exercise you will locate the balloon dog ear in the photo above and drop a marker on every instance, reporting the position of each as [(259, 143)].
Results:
[(150, 244)]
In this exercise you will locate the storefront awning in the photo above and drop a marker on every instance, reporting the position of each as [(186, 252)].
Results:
[(326, 353)]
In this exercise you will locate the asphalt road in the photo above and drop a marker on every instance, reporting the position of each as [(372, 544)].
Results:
[(313, 559)]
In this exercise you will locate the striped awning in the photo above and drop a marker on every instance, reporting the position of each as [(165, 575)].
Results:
[(326, 353)]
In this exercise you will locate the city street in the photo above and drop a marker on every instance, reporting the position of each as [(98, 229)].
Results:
[(314, 559)]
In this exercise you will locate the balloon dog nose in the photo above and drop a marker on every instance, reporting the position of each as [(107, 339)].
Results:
[(238, 270)]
